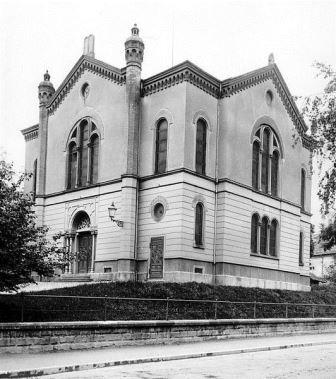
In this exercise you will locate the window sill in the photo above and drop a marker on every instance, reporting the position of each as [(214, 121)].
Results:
[(275, 197), (196, 246), (264, 256)]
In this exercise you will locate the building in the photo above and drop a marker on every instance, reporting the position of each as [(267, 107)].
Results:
[(209, 179), (321, 261)]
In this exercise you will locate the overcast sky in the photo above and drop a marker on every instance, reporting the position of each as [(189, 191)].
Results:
[(225, 38)]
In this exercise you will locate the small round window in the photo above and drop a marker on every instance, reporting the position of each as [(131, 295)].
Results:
[(159, 211)]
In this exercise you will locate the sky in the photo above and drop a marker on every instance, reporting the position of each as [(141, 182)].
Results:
[(225, 38)]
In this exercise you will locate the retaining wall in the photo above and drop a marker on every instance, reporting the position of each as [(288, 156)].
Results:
[(51, 336)]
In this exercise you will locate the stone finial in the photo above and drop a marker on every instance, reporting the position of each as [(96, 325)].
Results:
[(134, 48), (271, 59), (46, 76), (89, 46), (45, 89)]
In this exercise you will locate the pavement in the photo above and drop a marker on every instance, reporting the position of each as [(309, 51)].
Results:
[(39, 364)]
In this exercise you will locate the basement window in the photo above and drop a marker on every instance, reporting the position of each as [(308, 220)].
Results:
[(198, 270), (107, 270)]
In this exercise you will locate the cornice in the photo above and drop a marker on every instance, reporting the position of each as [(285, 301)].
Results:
[(232, 86), (31, 132), (85, 63), (183, 72)]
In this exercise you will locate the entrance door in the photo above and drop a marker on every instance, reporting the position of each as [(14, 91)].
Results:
[(84, 252), (156, 258)]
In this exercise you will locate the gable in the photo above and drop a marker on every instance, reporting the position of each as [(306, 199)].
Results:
[(85, 63)]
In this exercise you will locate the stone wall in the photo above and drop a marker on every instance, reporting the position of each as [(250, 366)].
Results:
[(36, 337)]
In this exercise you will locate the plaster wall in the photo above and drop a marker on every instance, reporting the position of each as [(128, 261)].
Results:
[(239, 114), (169, 104), (31, 153), (107, 107), (200, 104)]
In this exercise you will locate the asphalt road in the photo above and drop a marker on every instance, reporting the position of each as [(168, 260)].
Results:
[(305, 362)]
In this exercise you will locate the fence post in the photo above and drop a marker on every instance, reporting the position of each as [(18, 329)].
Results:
[(313, 311), (216, 308), (167, 308), (22, 306), (255, 309), (105, 308), (286, 310)]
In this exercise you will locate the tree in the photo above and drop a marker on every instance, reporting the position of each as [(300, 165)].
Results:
[(24, 246), (320, 112)]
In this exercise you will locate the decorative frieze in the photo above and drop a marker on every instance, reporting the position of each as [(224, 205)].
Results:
[(185, 72), (85, 63), (30, 133)]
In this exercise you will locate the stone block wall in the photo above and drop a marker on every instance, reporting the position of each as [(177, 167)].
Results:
[(37, 337)]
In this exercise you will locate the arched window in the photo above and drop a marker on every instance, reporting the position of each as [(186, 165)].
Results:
[(303, 188), (265, 161), (301, 249), (34, 178), (72, 168), (255, 165), (199, 214), (201, 146), (273, 238), (83, 152), (94, 153), (161, 146), (263, 236), (254, 233)]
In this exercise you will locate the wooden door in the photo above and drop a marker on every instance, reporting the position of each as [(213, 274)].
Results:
[(156, 258), (84, 253)]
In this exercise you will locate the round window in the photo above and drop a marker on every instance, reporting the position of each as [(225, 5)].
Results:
[(158, 211)]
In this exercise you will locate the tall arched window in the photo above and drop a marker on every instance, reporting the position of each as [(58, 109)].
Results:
[(94, 153), (199, 214), (255, 165), (273, 239), (265, 160), (301, 249), (303, 188), (161, 146), (263, 236), (254, 233), (201, 146), (83, 151), (72, 168)]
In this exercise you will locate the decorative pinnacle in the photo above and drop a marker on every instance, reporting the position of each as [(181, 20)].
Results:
[(135, 30), (47, 76), (271, 59)]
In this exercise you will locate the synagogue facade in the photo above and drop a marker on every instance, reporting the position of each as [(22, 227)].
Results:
[(176, 177)]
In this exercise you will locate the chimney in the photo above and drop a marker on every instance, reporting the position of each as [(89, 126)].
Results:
[(89, 46)]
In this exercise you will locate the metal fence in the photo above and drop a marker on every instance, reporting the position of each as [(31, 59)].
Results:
[(23, 308)]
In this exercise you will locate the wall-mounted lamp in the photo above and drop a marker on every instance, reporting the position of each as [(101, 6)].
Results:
[(112, 210)]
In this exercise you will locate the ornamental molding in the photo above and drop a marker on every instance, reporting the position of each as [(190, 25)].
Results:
[(89, 206), (184, 72), (30, 133), (85, 63), (232, 86)]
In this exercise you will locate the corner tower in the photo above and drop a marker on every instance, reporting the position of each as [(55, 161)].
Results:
[(45, 92), (134, 49)]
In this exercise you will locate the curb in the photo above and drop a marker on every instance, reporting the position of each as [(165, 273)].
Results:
[(90, 366)]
